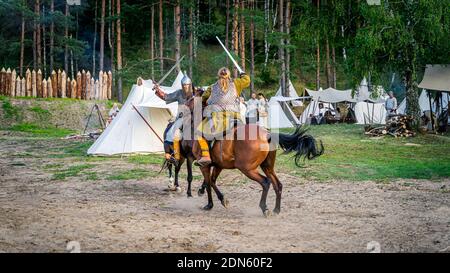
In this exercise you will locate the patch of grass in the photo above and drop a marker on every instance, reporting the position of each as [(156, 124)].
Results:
[(52, 166), (146, 159), (131, 174), (350, 155), (42, 114), (72, 148), (71, 171), (10, 111), (39, 131), (92, 176)]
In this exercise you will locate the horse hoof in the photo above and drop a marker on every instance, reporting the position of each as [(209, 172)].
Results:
[(225, 203), (189, 195), (208, 207), (201, 192), (267, 213), (178, 189), (276, 211)]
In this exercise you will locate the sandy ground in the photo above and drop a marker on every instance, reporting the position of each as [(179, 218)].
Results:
[(38, 214)]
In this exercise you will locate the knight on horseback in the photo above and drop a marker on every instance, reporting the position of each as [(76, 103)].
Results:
[(172, 133), (222, 110)]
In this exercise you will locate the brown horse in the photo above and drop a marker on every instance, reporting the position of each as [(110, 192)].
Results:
[(247, 153)]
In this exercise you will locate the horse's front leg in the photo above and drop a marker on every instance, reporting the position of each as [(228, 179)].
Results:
[(206, 171), (171, 178), (189, 175), (177, 172)]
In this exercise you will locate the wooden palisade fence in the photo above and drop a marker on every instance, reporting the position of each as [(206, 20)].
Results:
[(83, 86)]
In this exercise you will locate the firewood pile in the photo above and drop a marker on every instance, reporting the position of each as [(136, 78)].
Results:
[(396, 126)]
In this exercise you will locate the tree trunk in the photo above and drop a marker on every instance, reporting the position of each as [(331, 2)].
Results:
[(66, 37), (102, 37), (227, 27), (161, 38), (38, 35), (197, 23), (281, 50), (235, 33), (177, 11), (242, 35), (412, 96), (94, 44), (252, 47), (191, 40), (22, 42), (318, 51), (152, 41), (287, 22), (112, 47), (119, 53), (328, 66), (333, 57), (44, 45), (52, 35), (266, 31), (77, 28)]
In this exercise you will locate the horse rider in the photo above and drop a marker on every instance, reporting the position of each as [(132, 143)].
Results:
[(172, 131), (223, 108)]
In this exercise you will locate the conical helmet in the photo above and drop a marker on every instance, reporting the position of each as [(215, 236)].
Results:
[(186, 79)]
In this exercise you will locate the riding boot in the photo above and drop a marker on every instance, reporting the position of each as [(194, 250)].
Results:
[(205, 159), (176, 148)]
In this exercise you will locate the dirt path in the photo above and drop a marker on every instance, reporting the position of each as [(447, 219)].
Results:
[(39, 214)]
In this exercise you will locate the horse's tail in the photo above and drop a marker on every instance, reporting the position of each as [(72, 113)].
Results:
[(304, 145)]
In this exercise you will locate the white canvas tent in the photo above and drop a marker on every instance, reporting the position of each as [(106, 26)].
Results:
[(313, 109), (424, 103), (278, 118), (436, 77), (367, 109), (128, 133), (331, 95), (292, 94), (327, 97), (370, 113)]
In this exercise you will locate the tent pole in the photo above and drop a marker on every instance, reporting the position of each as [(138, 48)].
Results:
[(431, 110), (373, 111), (148, 124)]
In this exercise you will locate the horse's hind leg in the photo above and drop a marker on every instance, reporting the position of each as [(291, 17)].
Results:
[(278, 188), (201, 190), (215, 173), (268, 167), (265, 184)]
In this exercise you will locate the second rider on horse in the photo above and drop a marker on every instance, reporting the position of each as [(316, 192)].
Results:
[(222, 110)]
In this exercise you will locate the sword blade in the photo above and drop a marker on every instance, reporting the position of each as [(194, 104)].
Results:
[(230, 56), (170, 71)]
